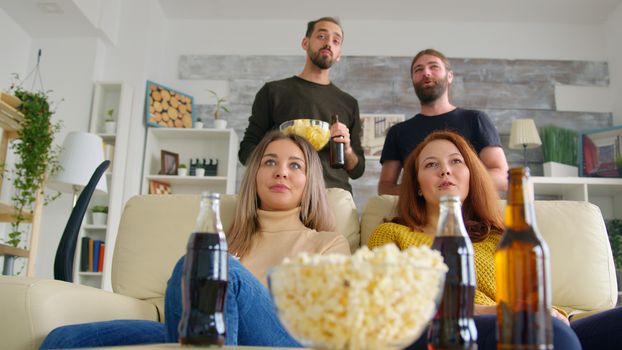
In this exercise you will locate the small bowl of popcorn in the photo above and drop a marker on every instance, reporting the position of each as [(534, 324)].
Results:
[(317, 132), (374, 299)]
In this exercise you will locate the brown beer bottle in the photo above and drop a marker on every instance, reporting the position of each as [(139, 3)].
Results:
[(522, 274), (205, 278), (337, 149), (453, 327)]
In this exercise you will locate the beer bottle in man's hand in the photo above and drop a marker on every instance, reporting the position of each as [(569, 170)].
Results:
[(522, 274), (205, 279), (337, 149), (453, 327)]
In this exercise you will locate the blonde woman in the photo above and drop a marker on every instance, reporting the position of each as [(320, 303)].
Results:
[(282, 210)]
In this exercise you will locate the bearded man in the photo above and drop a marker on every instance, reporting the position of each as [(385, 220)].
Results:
[(432, 76), (311, 95)]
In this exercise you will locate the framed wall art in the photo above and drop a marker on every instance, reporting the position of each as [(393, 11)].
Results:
[(600, 152), (168, 108), (374, 131), (159, 187), (169, 163)]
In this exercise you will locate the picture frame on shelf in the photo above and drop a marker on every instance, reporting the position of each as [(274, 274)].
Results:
[(159, 187), (374, 129), (600, 152), (169, 162), (168, 108)]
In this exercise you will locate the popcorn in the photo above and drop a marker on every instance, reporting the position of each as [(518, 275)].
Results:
[(314, 131), (375, 299)]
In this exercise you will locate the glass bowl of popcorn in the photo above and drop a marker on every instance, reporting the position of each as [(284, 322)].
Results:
[(380, 299), (315, 131)]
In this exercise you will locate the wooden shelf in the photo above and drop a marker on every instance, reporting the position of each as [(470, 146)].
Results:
[(12, 251), (95, 227), (7, 213), (10, 118)]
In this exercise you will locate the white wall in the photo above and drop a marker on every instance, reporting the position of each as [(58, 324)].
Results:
[(14, 53), (487, 40), (613, 33), (67, 67)]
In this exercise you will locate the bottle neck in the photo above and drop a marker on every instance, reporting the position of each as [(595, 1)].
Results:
[(208, 220), (450, 222), (519, 212)]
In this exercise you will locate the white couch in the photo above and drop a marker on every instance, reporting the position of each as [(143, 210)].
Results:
[(153, 233)]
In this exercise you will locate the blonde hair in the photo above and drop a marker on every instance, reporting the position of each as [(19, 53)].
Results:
[(314, 212)]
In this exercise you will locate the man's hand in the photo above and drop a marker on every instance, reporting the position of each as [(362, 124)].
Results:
[(340, 129)]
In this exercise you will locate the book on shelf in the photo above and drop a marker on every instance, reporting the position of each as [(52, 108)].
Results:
[(84, 254), (92, 255), (102, 249)]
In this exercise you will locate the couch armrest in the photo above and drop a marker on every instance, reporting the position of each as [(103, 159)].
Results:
[(32, 307)]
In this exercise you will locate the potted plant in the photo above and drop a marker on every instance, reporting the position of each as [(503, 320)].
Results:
[(36, 158), (110, 124), (560, 150), (614, 231), (198, 124), (99, 213), (220, 107), (183, 170), (619, 164)]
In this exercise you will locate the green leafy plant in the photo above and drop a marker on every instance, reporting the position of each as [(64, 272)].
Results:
[(110, 115), (36, 156), (614, 230), (559, 145), (220, 104), (182, 166), (100, 209)]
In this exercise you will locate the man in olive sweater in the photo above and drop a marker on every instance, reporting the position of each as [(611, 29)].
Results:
[(311, 95)]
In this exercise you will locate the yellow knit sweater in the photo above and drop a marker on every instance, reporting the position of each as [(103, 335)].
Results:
[(484, 251)]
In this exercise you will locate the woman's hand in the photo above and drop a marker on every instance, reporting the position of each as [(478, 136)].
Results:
[(558, 315), (492, 309), (484, 309)]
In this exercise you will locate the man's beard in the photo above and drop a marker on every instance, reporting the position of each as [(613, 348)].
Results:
[(322, 62), (431, 94)]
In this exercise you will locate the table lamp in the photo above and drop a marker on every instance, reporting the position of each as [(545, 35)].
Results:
[(82, 153), (524, 135)]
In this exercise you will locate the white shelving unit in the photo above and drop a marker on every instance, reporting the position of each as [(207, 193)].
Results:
[(606, 193), (220, 144), (106, 96)]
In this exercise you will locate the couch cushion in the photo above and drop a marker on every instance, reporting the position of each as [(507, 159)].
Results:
[(154, 230), (582, 268)]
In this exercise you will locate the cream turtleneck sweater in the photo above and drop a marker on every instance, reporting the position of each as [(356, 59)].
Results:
[(281, 234)]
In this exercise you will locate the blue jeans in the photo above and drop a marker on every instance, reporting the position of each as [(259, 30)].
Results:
[(249, 315)]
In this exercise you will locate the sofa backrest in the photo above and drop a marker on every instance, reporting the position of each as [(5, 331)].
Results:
[(154, 230), (582, 267)]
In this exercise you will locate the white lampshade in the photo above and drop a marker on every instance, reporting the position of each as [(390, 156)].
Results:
[(82, 153), (524, 134)]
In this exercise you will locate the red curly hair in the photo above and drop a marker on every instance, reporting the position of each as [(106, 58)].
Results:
[(480, 209)]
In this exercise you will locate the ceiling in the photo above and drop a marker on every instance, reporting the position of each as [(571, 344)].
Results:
[(49, 18)]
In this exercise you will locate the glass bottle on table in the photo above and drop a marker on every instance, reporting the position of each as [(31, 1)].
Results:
[(205, 278), (522, 274), (453, 327), (337, 149)]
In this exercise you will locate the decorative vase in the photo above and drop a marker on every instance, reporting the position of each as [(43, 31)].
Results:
[(99, 219), (110, 127), (182, 171), (198, 125), (199, 172), (220, 124)]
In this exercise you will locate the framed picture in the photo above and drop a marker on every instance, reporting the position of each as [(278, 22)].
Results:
[(168, 108), (600, 152), (159, 187), (169, 163), (374, 130)]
